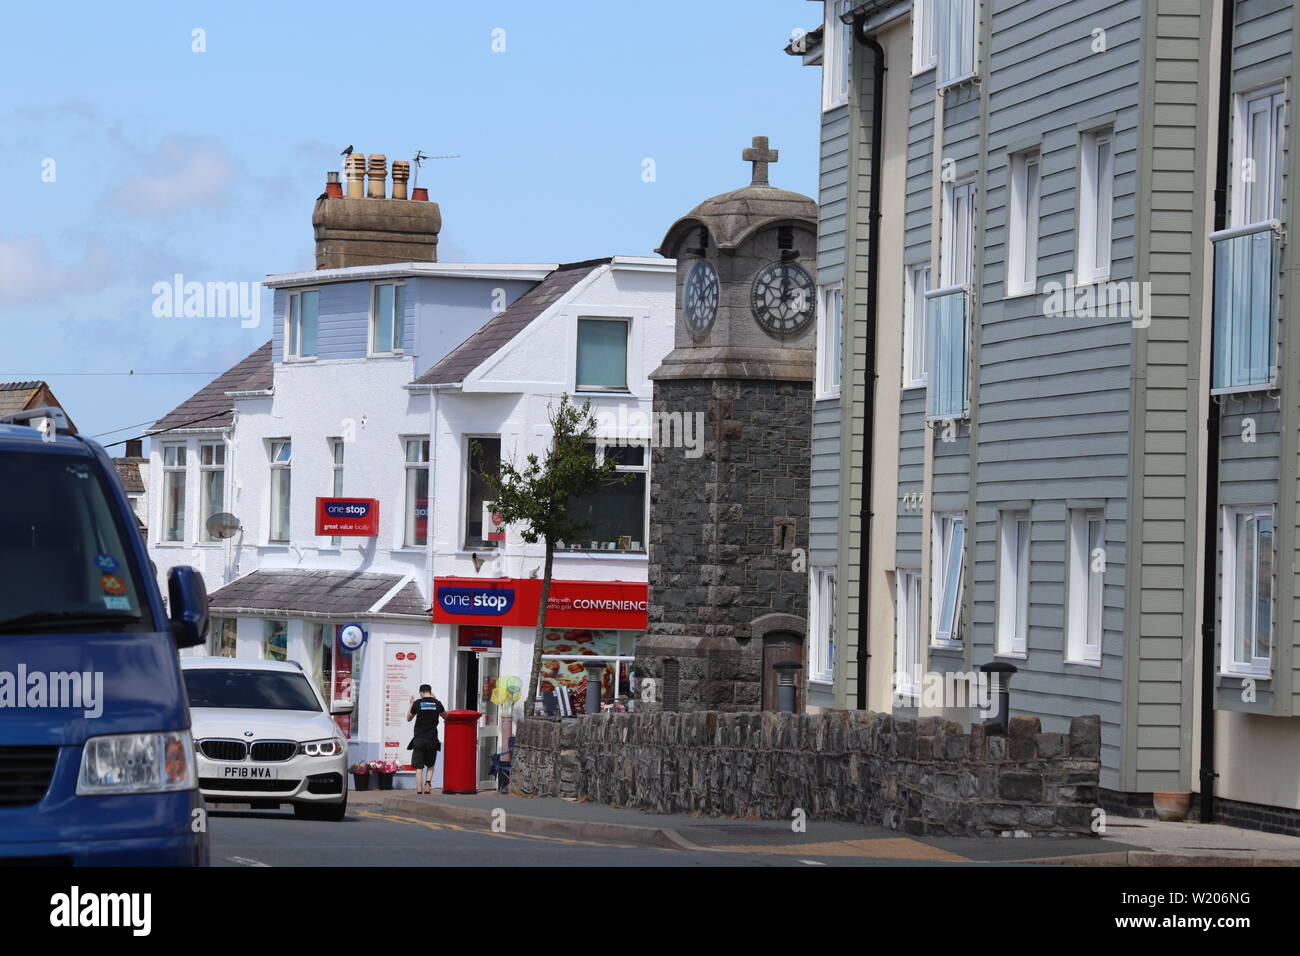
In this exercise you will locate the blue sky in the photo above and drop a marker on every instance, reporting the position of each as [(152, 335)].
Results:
[(207, 164)]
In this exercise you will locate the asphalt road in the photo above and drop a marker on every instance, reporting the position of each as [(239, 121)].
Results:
[(371, 838), (368, 838)]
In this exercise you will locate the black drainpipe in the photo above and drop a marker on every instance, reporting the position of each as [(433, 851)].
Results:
[(869, 411), (1209, 585)]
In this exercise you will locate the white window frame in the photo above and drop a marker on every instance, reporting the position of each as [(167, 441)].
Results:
[(281, 471), (821, 611), (338, 454), (1085, 585), (399, 299), (1271, 100), (907, 634), (1096, 206), (216, 466), (956, 54), (1231, 662), (627, 356), (916, 347), (945, 630), (924, 54), (419, 446), (175, 471), (956, 233), (837, 45), (467, 474), (293, 325), (1014, 541), (1025, 182), (830, 318)]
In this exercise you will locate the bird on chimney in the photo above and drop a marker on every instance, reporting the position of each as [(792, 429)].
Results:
[(347, 152)]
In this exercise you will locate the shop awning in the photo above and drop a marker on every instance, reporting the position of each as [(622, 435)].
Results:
[(320, 594)]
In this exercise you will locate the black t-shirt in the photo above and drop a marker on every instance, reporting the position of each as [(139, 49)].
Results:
[(427, 710)]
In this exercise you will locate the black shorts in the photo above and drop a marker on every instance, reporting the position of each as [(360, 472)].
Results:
[(424, 753)]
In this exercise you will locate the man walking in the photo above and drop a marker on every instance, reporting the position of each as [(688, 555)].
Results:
[(424, 746)]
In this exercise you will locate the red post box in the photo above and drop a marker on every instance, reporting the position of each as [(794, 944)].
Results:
[(459, 774)]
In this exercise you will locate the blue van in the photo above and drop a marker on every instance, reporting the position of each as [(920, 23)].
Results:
[(96, 758)]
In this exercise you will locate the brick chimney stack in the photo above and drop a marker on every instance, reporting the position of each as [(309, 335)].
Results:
[(363, 228)]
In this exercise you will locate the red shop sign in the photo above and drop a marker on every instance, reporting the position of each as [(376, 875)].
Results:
[(357, 517), (615, 605)]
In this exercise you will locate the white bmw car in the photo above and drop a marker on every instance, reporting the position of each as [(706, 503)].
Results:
[(262, 735)]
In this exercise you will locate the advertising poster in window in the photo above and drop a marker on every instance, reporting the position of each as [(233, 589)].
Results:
[(401, 683), (571, 674)]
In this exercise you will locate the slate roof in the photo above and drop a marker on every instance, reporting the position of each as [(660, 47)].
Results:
[(14, 396), (210, 407), (500, 329), (20, 396), (318, 593), (128, 473)]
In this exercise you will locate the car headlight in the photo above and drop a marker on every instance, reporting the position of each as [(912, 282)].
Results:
[(137, 763), (321, 748)]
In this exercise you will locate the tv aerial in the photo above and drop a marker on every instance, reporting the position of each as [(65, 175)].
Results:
[(418, 159)]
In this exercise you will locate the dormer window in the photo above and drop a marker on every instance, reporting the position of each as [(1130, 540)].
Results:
[(602, 355), (300, 314), (387, 318)]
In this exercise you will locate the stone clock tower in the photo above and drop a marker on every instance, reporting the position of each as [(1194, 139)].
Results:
[(727, 600)]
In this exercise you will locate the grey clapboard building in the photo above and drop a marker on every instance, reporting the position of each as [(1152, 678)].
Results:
[(1052, 264)]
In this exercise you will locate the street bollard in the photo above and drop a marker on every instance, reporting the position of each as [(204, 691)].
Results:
[(1000, 687), (785, 685), (595, 670)]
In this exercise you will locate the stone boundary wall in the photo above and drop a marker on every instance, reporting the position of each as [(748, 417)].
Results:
[(926, 776)]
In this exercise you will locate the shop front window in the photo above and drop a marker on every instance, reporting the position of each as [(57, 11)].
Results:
[(565, 654), (275, 645), (320, 659), (223, 637)]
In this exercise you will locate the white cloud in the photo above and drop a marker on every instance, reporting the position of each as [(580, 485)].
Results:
[(182, 174), (29, 274)]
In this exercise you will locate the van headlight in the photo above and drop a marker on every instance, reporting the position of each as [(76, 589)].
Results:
[(137, 763), (321, 748)]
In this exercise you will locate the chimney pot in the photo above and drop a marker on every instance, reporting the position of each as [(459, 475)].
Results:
[(333, 189), (355, 168), (401, 173), (376, 181)]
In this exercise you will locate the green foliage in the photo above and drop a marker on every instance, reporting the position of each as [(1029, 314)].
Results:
[(536, 496)]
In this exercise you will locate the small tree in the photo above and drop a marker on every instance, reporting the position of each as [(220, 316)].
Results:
[(538, 498)]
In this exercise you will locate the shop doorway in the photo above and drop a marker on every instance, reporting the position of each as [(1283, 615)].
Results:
[(477, 674), (777, 647)]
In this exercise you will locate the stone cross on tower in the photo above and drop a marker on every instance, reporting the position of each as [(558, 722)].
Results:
[(760, 156)]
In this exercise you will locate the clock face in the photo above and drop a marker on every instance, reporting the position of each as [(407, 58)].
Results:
[(700, 298), (783, 299)]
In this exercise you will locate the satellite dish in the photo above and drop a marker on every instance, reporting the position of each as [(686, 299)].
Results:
[(223, 525)]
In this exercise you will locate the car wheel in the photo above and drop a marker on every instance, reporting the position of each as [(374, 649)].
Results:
[(333, 812)]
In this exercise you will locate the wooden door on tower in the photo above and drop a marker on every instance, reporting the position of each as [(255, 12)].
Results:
[(777, 647)]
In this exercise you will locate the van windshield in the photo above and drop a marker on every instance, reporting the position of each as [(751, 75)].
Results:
[(249, 689), (64, 558)]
